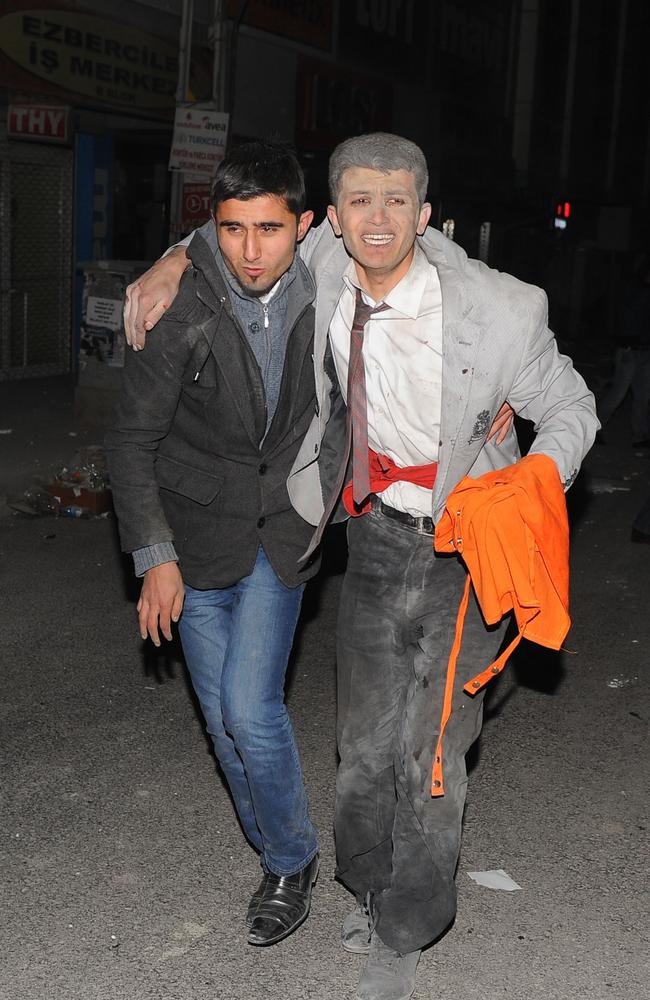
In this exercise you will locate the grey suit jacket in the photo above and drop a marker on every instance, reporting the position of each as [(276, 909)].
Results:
[(496, 346)]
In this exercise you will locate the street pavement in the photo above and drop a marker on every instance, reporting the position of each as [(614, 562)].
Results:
[(124, 873)]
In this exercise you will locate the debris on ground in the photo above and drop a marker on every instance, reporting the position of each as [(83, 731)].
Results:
[(80, 488), (495, 879), (622, 681)]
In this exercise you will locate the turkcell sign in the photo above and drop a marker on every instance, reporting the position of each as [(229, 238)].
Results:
[(199, 142)]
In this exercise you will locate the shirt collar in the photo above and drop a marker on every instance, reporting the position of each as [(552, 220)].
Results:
[(406, 296)]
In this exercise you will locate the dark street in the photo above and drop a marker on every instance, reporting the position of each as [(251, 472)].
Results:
[(125, 874), (485, 169)]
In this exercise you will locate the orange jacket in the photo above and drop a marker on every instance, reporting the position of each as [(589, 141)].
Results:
[(511, 529)]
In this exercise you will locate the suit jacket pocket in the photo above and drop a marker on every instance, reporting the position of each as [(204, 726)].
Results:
[(196, 484), (482, 408)]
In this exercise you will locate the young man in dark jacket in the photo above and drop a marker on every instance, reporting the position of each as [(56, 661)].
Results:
[(207, 428)]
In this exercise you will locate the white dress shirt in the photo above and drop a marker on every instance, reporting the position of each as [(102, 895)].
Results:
[(402, 351)]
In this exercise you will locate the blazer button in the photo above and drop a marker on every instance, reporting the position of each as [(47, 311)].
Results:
[(262, 469), (261, 522)]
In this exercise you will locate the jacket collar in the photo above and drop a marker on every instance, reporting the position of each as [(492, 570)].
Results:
[(456, 305), (297, 281), (225, 343)]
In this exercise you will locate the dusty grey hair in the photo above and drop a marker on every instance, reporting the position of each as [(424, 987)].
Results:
[(379, 151)]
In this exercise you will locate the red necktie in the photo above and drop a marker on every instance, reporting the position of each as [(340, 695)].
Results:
[(357, 404)]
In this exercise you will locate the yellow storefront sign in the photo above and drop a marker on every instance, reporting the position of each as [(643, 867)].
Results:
[(91, 56)]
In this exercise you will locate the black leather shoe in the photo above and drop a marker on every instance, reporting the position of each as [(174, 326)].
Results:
[(255, 899), (284, 904)]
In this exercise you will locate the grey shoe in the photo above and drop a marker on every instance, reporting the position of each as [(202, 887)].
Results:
[(355, 931), (388, 975)]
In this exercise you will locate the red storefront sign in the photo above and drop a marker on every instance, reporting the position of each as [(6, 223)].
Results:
[(45, 122), (196, 205)]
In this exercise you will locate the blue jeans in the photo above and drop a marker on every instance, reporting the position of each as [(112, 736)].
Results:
[(237, 642)]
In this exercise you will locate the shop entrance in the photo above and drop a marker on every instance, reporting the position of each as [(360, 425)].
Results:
[(36, 264)]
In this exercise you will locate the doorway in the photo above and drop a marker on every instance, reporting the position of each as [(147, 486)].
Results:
[(36, 259)]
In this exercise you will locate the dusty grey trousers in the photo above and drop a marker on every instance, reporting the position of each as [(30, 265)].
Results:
[(396, 626)]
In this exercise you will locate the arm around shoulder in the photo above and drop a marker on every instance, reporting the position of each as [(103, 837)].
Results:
[(149, 296)]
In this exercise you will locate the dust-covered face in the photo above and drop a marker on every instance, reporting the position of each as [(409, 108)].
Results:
[(379, 215)]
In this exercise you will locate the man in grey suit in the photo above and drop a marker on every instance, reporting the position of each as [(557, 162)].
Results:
[(208, 425), (445, 342)]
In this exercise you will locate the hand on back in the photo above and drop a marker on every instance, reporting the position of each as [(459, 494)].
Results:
[(502, 424)]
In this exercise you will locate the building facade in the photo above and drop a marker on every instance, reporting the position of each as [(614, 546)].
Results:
[(521, 106)]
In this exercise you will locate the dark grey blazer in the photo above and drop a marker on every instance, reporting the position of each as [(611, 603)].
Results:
[(187, 454)]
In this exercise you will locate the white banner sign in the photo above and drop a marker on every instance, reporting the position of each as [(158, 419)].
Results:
[(106, 313), (199, 142)]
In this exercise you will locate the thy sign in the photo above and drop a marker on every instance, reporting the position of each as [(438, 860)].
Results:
[(38, 121)]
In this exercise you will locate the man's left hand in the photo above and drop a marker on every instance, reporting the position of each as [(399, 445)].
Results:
[(161, 601), (502, 424)]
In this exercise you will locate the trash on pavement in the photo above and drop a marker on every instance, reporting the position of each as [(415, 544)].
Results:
[(78, 489), (495, 879), (621, 682), (72, 510), (83, 483), (36, 502)]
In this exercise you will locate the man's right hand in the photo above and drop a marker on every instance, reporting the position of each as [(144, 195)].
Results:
[(151, 294), (161, 601)]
